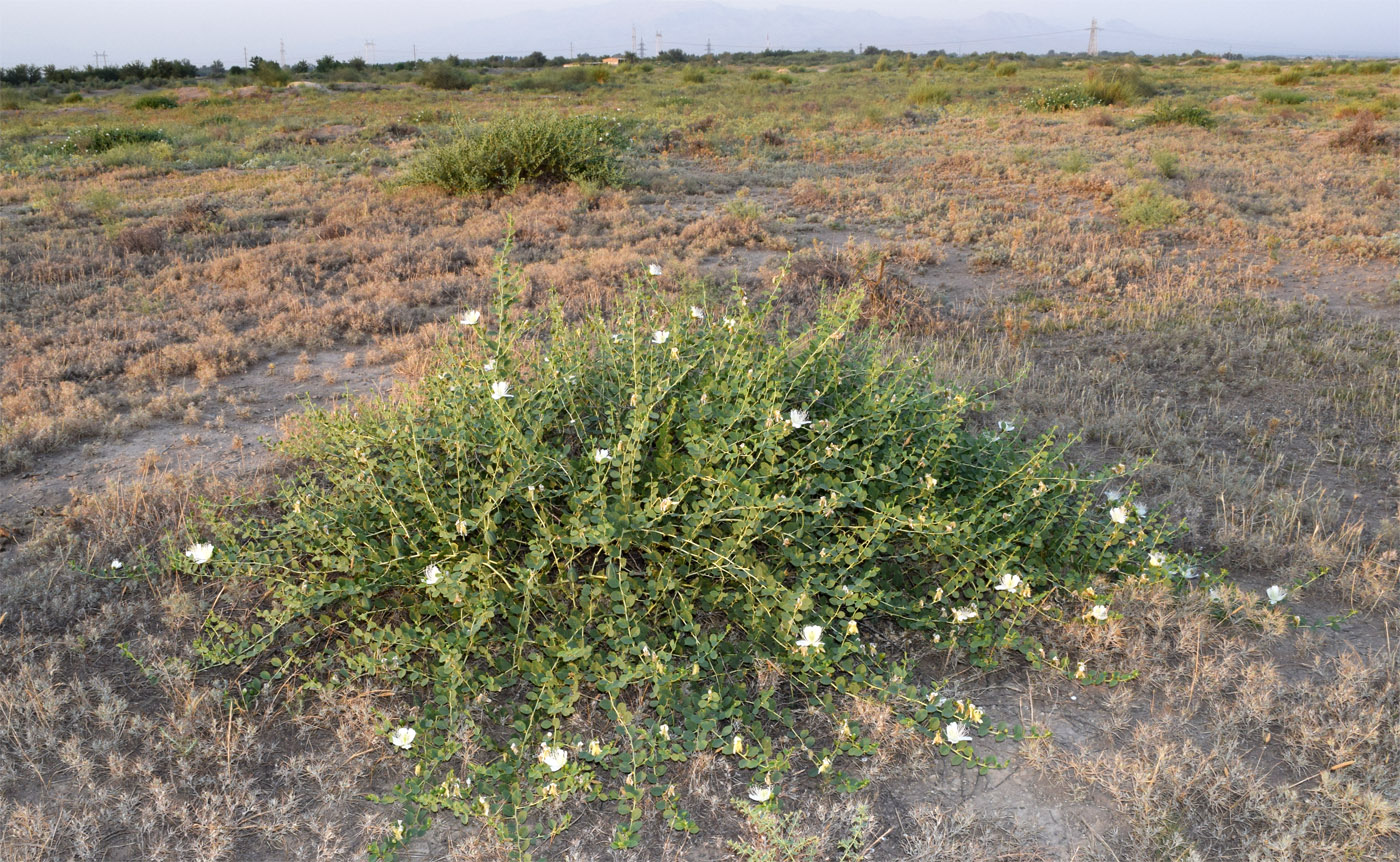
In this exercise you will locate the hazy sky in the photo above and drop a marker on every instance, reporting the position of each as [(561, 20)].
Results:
[(67, 32)]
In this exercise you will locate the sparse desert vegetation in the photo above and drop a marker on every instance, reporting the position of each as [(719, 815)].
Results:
[(1188, 270)]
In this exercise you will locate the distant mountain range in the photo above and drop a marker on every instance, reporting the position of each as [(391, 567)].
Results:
[(699, 25)]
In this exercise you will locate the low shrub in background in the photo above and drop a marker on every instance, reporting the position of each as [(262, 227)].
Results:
[(1178, 113), (99, 140), (445, 76), (1069, 97), (518, 148), (155, 101), (572, 80), (1118, 85), (1282, 97), (929, 94), (618, 546)]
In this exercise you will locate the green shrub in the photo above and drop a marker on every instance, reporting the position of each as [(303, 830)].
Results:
[(100, 140), (1118, 85), (693, 75), (155, 101), (1373, 67), (1006, 70), (597, 556), (445, 76), (1067, 97), (575, 79), (929, 94), (1074, 162), (1147, 206), (73, 98), (1289, 78), (1282, 97), (761, 75), (1167, 164), (1168, 113), (519, 148)]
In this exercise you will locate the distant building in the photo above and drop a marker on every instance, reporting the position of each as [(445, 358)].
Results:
[(611, 61)]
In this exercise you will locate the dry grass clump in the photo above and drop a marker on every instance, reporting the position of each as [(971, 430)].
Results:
[(1364, 135), (1236, 747), (115, 744)]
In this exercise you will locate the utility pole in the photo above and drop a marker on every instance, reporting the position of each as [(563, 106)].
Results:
[(634, 39), (571, 50), (245, 56), (1093, 38), (282, 51), (369, 50), (415, 53), (642, 49), (658, 43), (709, 49)]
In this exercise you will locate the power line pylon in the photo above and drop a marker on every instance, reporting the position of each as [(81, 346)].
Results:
[(1093, 38)]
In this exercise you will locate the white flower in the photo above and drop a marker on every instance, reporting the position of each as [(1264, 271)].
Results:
[(1140, 509), (851, 628), (697, 312), (403, 738), (956, 732), (490, 366), (1156, 559), (737, 746), (1099, 612), (654, 269), (601, 455), (116, 564), (1189, 573), (660, 336), (595, 749), (432, 575), (962, 615), (665, 504), (1009, 583), (1113, 496), (554, 758), (798, 418), (1006, 427), (462, 526), (811, 637), (500, 389), (1118, 514), (470, 318), (730, 323), (760, 794), (824, 766), (664, 731), (1276, 594), (200, 552)]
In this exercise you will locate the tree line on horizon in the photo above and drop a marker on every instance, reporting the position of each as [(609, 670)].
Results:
[(161, 71)]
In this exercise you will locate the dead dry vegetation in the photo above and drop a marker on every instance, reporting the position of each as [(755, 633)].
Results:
[(1217, 308)]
